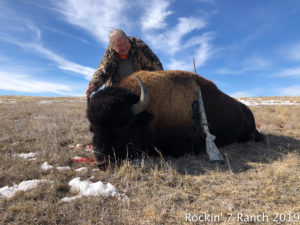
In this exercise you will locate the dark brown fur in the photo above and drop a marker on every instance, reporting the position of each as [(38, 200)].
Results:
[(167, 122)]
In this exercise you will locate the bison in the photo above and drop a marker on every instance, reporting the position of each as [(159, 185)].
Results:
[(126, 123)]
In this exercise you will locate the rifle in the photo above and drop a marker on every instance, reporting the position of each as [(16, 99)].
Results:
[(211, 149)]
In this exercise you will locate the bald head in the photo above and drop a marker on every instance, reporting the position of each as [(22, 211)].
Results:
[(119, 41)]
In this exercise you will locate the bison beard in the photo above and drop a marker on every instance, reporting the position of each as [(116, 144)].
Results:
[(167, 121)]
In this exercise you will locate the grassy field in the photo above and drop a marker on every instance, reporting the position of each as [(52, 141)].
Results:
[(258, 182)]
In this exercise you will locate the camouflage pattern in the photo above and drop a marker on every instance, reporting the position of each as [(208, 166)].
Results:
[(142, 59)]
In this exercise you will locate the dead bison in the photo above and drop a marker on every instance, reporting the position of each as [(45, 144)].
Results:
[(125, 122)]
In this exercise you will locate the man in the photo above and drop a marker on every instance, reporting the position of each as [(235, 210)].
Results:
[(123, 56)]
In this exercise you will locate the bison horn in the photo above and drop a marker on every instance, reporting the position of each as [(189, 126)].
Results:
[(143, 102)]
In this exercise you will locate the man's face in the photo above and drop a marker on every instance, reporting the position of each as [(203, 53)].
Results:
[(121, 45)]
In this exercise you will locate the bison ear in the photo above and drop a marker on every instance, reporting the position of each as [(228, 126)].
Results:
[(144, 118)]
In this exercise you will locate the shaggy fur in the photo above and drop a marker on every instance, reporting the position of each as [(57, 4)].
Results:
[(167, 123)]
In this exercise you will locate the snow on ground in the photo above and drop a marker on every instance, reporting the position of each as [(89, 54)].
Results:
[(70, 199), (51, 101), (63, 168), (8, 192), (88, 188), (46, 102), (45, 166), (40, 117), (76, 157), (30, 155), (83, 188), (81, 169), (255, 102)]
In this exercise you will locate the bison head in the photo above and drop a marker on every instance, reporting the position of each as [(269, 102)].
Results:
[(118, 121)]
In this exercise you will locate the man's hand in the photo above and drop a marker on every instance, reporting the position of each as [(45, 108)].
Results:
[(89, 90)]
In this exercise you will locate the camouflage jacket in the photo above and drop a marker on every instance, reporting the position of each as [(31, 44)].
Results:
[(142, 59)]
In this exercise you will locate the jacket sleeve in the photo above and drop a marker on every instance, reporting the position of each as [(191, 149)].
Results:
[(104, 70), (149, 60)]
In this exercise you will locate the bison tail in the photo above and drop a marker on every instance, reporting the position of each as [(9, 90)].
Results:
[(258, 136)]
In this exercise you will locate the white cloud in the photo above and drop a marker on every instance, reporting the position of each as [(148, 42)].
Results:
[(255, 91), (68, 35), (223, 71), (171, 40), (97, 18), (25, 83), (293, 90), (295, 53), (291, 72), (292, 52), (63, 64), (255, 63), (155, 14), (35, 30), (240, 94), (25, 34), (179, 65), (180, 52), (204, 50), (184, 27), (201, 51), (206, 1), (249, 64)]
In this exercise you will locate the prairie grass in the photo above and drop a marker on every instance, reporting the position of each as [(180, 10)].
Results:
[(256, 178)]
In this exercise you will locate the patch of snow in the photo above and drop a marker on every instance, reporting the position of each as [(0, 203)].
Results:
[(0, 101), (76, 157), (69, 199), (45, 166), (30, 155), (82, 169), (254, 102), (39, 117), (63, 168), (78, 145), (45, 102), (70, 146), (8, 192), (87, 188)]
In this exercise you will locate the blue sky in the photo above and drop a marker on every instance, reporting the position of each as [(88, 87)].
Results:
[(247, 47)]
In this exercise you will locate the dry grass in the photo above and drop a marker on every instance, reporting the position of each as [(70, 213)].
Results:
[(257, 178)]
